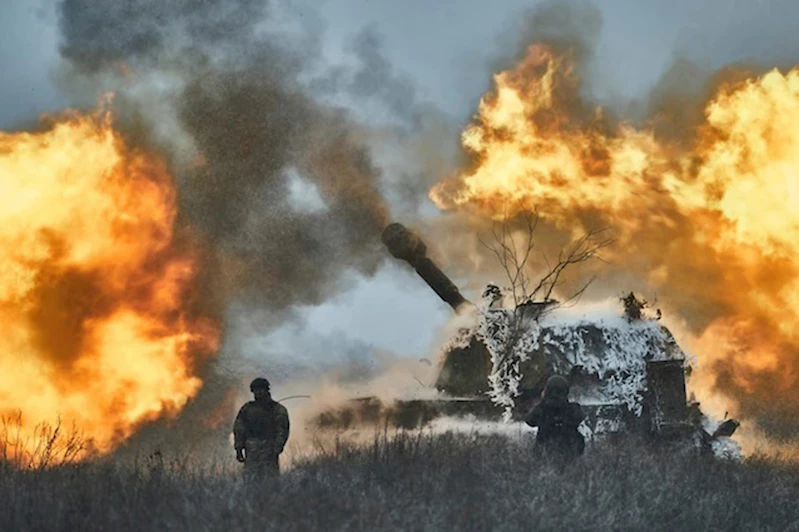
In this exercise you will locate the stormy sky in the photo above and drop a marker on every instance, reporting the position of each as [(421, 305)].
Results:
[(439, 54)]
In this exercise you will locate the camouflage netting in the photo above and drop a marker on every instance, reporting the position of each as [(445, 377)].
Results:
[(522, 348)]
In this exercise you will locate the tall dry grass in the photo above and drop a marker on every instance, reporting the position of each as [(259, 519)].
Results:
[(410, 481), (46, 446)]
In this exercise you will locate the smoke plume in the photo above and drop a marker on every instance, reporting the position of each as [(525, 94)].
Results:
[(231, 87)]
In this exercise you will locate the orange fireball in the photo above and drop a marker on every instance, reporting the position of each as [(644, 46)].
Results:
[(96, 322), (709, 220)]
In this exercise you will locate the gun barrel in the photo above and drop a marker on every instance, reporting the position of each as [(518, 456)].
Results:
[(405, 245)]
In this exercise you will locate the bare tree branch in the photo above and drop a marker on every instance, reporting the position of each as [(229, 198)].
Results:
[(514, 258)]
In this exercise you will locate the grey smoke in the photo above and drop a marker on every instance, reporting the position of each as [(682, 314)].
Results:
[(239, 101), (372, 82)]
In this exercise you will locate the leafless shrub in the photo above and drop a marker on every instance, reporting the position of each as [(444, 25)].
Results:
[(515, 261), (46, 446)]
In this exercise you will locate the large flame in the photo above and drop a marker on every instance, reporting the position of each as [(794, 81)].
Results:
[(709, 221), (96, 328)]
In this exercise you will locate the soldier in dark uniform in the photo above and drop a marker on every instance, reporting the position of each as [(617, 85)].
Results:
[(557, 420), (260, 432)]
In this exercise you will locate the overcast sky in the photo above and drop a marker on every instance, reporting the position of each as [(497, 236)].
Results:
[(444, 48)]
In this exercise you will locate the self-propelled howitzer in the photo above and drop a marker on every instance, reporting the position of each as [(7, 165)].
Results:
[(627, 372)]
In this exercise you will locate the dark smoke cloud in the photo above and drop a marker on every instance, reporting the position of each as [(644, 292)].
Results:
[(255, 130), (96, 38), (573, 25), (376, 78), (417, 139), (254, 135), (372, 82)]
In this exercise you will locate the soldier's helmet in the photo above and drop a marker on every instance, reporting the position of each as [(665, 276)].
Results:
[(557, 387), (259, 384)]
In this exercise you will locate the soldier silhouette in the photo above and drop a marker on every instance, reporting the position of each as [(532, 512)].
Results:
[(260, 432), (557, 420)]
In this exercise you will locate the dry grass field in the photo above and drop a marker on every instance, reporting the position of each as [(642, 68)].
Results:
[(410, 482)]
